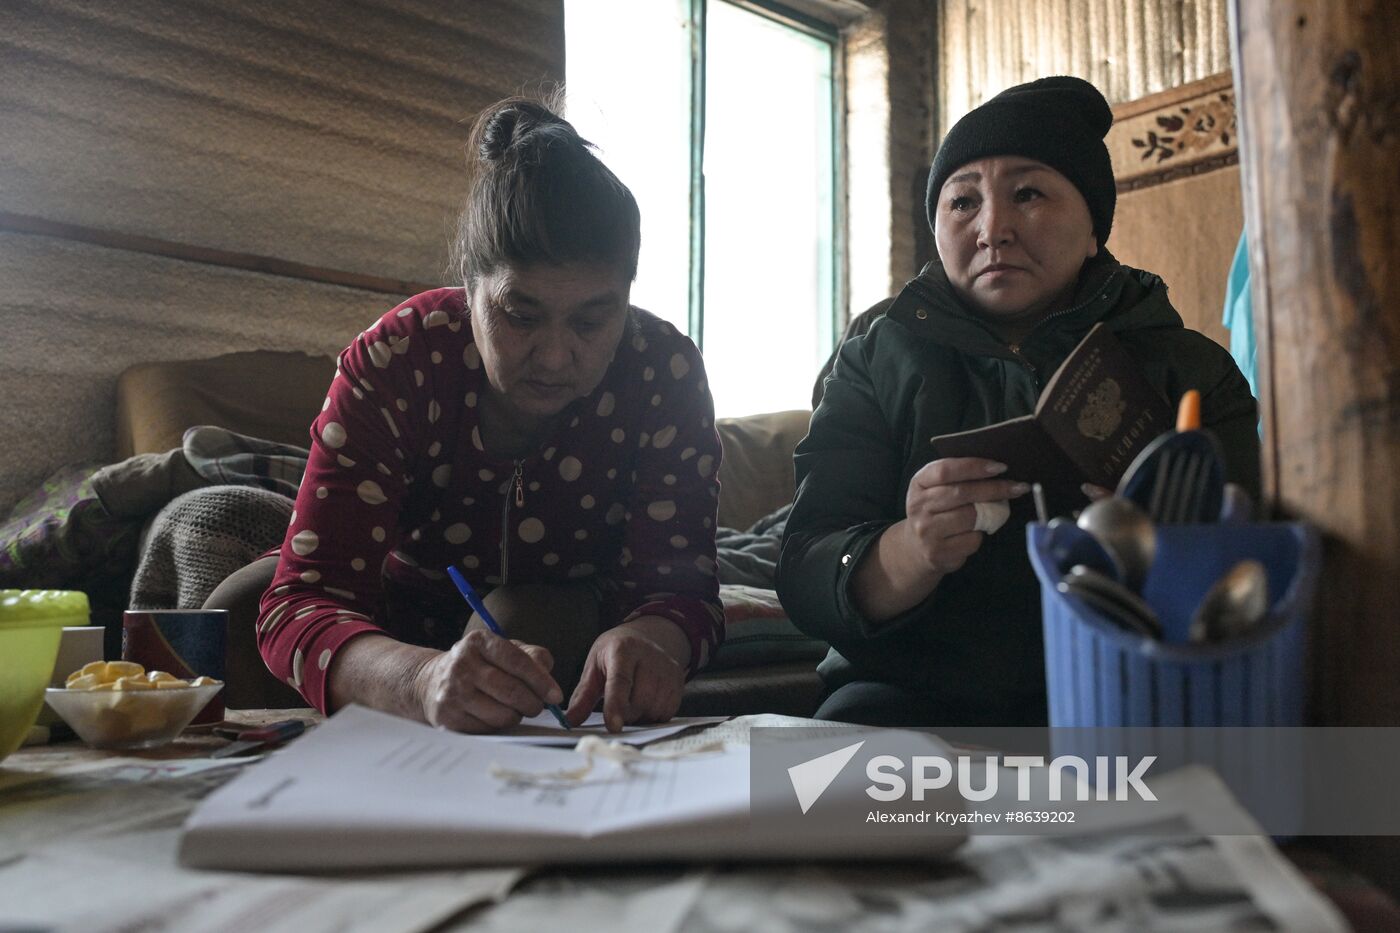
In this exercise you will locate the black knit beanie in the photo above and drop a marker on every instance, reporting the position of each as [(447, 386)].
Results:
[(1060, 121)]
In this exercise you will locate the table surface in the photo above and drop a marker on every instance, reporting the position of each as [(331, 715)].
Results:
[(192, 743), (1365, 907)]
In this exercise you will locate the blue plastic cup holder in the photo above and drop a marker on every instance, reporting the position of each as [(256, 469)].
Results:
[(1099, 674)]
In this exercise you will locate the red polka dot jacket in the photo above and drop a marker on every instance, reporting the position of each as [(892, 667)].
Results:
[(398, 487)]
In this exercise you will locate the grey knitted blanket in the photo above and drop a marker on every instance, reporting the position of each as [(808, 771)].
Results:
[(200, 538)]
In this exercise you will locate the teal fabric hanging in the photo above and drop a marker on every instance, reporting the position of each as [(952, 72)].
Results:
[(1239, 315)]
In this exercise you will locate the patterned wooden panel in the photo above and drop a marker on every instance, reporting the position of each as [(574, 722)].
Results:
[(1127, 48), (1184, 131), (1175, 157)]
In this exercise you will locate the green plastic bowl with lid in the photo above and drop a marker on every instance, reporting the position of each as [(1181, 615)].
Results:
[(31, 625)]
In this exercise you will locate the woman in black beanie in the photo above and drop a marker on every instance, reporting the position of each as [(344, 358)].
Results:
[(933, 614)]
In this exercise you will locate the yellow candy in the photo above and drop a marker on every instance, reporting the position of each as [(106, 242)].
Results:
[(172, 683), (80, 681), (104, 672), (133, 683), (157, 676), (118, 669)]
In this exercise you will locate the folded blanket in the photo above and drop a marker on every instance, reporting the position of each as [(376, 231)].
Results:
[(225, 457), (81, 528), (751, 557), (201, 537)]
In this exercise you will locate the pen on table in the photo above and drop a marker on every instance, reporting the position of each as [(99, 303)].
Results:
[(265, 736), (479, 607)]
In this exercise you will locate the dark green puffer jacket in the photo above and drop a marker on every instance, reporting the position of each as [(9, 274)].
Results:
[(931, 367)]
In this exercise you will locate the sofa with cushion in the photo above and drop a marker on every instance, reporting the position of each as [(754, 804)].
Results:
[(766, 665)]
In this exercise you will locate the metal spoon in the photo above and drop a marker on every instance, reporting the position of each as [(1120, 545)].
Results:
[(1112, 600), (1069, 545), (1126, 533), (1236, 506), (1234, 604)]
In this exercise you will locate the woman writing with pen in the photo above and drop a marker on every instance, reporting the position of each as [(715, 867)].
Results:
[(531, 430)]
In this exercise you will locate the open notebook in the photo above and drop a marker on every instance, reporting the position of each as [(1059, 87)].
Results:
[(368, 790)]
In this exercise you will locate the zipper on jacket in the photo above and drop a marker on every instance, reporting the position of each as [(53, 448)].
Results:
[(505, 518), (1015, 349), (1083, 304)]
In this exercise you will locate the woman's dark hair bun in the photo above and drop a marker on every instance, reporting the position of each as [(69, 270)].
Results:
[(505, 125), (538, 193)]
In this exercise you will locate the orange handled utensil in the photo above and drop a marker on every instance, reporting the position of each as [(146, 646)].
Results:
[(1188, 413), (1180, 476)]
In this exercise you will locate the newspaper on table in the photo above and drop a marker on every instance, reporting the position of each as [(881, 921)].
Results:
[(1175, 882), (1124, 875), (91, 846), (89, 799), (1124, 878)]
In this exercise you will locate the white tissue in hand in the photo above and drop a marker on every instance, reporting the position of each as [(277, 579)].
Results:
[(991, 515)]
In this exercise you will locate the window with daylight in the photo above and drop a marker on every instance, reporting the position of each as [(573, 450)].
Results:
[(722, 119)]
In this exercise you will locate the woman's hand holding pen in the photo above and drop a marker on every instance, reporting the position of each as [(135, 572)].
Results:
[(484, 683)]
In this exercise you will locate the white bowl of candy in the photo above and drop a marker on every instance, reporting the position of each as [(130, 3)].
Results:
[(118, 704)]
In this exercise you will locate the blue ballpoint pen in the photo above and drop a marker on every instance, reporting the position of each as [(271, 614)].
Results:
[(479, 607)]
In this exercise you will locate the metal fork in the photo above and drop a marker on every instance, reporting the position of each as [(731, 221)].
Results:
[(1176, 492), (1180, 476)]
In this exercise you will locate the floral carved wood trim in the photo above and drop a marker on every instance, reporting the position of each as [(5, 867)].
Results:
[(1184, 131)]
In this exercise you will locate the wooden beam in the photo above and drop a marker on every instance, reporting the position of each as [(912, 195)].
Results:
[(250, 262), (1318, 95)]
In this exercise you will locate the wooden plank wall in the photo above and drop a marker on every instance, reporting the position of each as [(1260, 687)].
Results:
[(321, 136), (1127, 48)]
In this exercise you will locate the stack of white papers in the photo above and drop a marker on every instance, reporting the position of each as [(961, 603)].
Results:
[(544, 729), (369, 790)]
